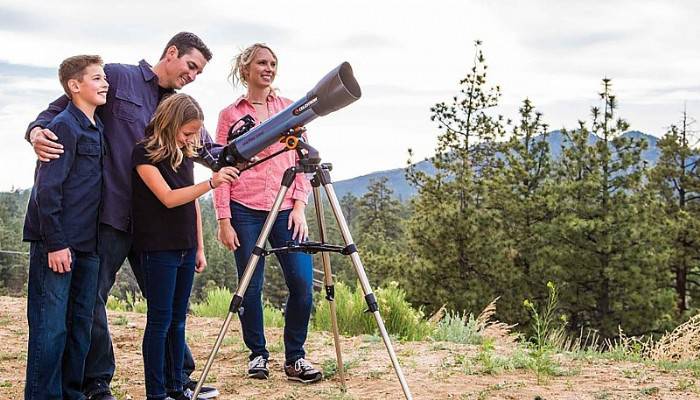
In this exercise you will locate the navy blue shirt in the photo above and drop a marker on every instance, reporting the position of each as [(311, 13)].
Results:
[(157, 227), (132, 99), (65, 200)]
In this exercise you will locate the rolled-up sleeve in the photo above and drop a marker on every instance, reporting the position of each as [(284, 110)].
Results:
[(222, 194)]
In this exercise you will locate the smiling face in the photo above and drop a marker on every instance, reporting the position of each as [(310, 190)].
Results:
[(179, 71), (261, 71), (92, 87), (188, 132)]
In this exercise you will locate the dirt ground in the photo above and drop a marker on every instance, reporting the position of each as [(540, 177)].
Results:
[(433, 370)]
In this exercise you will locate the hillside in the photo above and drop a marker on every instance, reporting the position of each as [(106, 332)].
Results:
[(434, 370), (403, 191)]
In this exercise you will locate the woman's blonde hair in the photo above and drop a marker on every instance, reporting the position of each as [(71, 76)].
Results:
[(161, 133), (240, 66)]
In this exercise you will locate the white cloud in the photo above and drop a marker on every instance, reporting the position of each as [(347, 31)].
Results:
[(406, 56)]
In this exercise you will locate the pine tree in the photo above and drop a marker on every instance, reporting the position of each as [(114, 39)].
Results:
[(457, 252), (608, 256), (521, 193), (676, 181)]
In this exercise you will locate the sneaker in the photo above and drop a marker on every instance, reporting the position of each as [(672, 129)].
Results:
[(257, 368), (206, 392), (302, 371), (101, 396)]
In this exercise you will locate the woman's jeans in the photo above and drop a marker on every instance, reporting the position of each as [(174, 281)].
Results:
[(59, 311), (298, 275), (169, 276)]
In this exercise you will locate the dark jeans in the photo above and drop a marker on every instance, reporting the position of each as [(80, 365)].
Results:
[(169, 274), (114, 247), (59, 311), (298, 275)]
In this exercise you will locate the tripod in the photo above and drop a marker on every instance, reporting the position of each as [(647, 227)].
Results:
[(310, 164)]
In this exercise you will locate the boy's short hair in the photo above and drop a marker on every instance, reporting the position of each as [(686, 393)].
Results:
[(186, 41), (74, 68)]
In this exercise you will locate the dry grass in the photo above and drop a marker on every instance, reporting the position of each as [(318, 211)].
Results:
[(683, 344), (489, 327)]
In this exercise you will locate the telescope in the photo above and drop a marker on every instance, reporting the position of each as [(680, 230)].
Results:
[(336, 90)]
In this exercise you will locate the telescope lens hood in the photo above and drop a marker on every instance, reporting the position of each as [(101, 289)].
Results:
[(336, 90)]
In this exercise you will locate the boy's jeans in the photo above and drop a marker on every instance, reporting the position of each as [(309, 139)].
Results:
[(298, 275), (114, 247), (169, 276), (59, 311)]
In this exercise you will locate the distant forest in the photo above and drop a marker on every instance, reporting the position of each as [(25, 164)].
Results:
[(499, 216)]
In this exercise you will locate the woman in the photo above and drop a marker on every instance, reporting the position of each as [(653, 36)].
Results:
[(242, 208), (168, 234)]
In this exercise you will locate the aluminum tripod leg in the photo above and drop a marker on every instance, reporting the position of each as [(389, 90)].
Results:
[(364, 282), (247, 274), (328, 283)]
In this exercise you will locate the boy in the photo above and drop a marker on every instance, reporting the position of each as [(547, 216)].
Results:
[(61, 224)]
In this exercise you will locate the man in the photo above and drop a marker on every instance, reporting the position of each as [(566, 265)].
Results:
[(134, 94)]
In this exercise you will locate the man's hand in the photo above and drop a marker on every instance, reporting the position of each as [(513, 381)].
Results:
[(44, 143), (227, 235), (60, 261)]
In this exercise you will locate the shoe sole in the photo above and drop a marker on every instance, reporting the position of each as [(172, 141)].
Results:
[(295, 379), (258, 375), (212, 394)]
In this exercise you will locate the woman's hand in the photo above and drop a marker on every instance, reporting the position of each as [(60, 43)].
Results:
[(227, 235), (200, 261), (297, 220), (225, 174)]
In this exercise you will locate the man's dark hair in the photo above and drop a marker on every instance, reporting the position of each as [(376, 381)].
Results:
[(186, 41)]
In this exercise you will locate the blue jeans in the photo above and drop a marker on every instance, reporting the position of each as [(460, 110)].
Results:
[(169, 276), (298, 275), (59, 311), (114, 246)]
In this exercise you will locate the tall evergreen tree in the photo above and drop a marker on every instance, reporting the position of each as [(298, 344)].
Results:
[(676, 181), (521, 194), (456, 240), (609, 256)]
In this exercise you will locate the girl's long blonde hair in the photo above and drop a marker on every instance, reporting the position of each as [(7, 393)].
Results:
[(240, 66), (161, 133)]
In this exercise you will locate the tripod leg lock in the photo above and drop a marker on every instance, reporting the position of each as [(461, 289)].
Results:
[(235, 303), (258, 251), (330, 293), (349, 249), (372, 305)]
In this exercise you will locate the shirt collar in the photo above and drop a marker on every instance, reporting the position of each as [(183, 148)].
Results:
[(147, 71), (82, 119), (271, 96)]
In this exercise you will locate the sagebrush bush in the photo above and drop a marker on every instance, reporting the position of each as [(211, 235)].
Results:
[(217, 301), (400, 318)]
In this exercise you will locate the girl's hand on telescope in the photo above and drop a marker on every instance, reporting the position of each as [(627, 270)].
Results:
[(225, 174)]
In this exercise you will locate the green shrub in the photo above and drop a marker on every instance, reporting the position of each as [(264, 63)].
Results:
[(458, 329), (217, 301), (400, 318)]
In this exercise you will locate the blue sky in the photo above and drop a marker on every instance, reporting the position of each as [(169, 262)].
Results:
[(406, 56)]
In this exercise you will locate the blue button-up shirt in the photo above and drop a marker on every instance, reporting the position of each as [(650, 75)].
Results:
[(132, 99), (65, 201)]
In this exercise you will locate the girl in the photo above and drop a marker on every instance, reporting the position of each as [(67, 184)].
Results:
[(168, 233), (242, 208)]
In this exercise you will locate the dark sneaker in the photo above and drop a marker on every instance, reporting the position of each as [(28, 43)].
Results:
[(206, 392), (100, 394), (257, 368), (302, 371)]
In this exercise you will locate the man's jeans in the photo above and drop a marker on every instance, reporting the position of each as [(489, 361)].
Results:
[(114, 246), (59, 311), (298, 275)]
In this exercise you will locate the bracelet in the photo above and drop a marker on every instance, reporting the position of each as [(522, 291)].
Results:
[(211, 185)]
